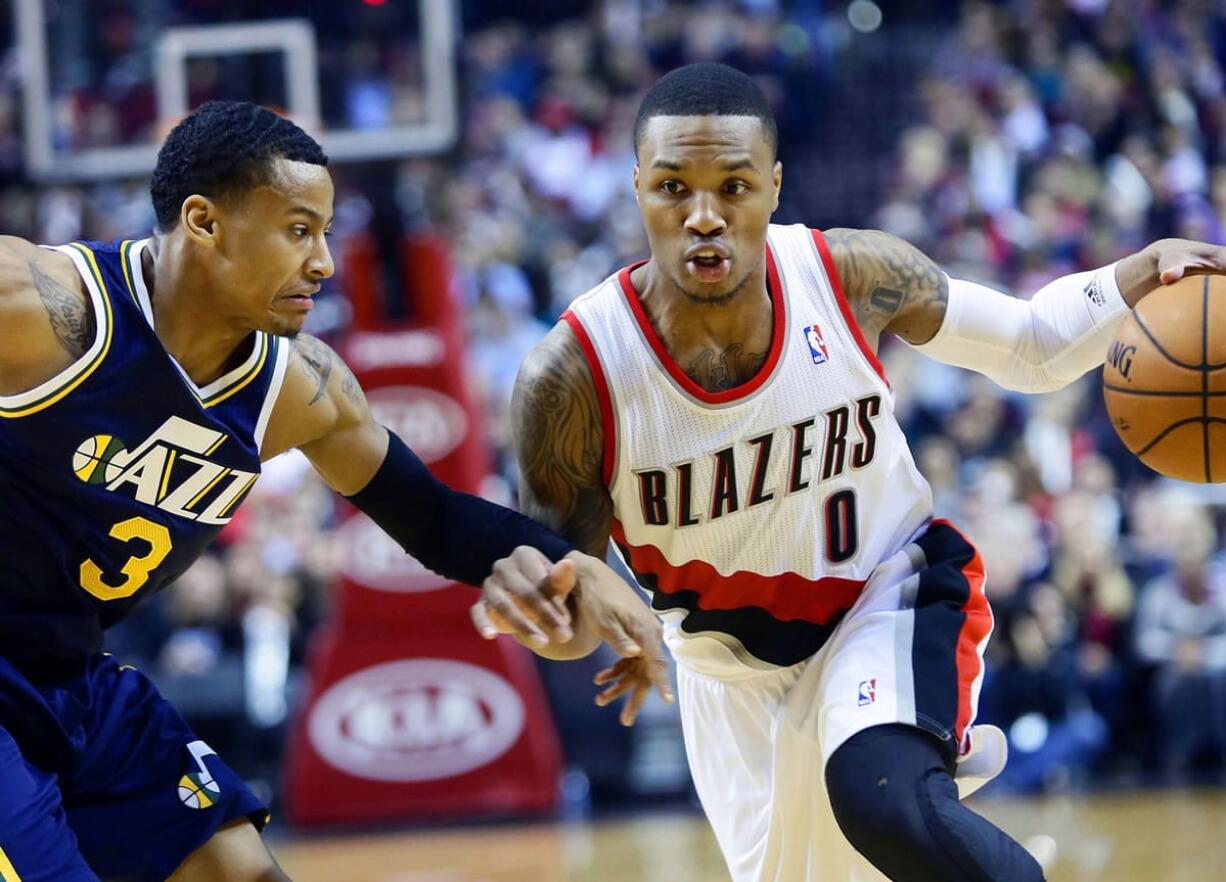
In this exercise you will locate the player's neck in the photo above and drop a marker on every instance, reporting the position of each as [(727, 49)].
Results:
[(201, 340), (682, 321)]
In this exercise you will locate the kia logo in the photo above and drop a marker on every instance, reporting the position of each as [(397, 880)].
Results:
[(431, 423), (416, 720), (369, 351), (375, 560)]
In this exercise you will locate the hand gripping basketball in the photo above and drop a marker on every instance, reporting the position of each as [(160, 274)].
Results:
[(1164, 381)]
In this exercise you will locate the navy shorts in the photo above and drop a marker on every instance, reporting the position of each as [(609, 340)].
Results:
[(101, 777)]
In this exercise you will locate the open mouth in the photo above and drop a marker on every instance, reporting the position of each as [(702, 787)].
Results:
[(708, 268)]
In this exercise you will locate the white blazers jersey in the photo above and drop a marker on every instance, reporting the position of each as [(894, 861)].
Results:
[(753, 516)]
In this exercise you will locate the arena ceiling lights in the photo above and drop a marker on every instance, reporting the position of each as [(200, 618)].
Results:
[(294, 39)]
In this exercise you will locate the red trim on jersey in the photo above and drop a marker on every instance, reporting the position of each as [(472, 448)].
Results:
[(602, 394), (849, 318), (679, 376), (787, 596), (976, 627)]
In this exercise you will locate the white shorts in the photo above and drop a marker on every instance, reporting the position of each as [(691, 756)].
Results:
[(909, 651)]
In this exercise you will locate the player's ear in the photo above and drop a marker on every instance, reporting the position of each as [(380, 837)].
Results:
[(777, 180), (636, 183), (198, 216)]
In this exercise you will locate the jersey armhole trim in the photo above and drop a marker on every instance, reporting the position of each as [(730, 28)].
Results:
[(281, 359), (602, 395), (849, 317), (49, 392)]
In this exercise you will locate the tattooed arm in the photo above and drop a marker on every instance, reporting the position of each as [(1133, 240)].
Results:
[(559, 442), (890, 284), (322, 411), (46, 321)]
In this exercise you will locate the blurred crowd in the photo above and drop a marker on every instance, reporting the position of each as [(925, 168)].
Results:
[(1035, 138)]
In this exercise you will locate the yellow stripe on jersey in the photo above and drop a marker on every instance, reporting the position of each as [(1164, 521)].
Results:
[(125, 255), (170, 464), (7, 873), (262, 342), (204, 492), (73, 382), (238, 497)]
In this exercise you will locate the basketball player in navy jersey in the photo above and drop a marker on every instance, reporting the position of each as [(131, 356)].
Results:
[(141, 385), (719, 412)]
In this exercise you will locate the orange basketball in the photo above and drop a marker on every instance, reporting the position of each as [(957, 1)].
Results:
[(1165, 379)]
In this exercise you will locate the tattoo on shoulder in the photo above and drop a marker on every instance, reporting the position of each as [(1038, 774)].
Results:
[(350, 386), (559, 441), (891, 284), (72, 318), (317, 361)]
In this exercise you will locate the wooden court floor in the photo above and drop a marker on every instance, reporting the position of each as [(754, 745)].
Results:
[(1164, 836)]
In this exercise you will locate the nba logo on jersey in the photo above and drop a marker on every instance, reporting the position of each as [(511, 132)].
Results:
[(817, 346), (868, 691)]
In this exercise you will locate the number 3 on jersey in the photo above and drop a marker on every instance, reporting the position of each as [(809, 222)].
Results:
[(137, 568)]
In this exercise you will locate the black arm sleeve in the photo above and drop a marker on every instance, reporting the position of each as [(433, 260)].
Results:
[(457, 535)]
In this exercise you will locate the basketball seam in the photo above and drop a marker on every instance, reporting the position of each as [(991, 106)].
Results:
[(1162, 350), (1175, 425), (1124, 390), (1204, 377)]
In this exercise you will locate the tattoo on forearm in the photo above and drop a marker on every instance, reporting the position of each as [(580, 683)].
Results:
[(891, 285), (559, 442), (317, 363), (717, 372), (71, 317)]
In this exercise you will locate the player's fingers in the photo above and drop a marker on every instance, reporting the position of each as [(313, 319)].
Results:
[(481, 620), (611, 673), (500, 602), (619, 639), (657, 672), (531, 562), (630, 711), (510, 576), (551, 617), (615, 690), (561, 582)]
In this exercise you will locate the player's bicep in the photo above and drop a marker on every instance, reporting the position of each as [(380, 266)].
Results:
[(559, 441), (890, 284), (322, 411), (46, 321)]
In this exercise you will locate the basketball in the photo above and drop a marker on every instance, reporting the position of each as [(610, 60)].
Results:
[(1165, 379)]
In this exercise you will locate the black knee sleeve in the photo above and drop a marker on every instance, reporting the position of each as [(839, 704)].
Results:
[(895, 800)]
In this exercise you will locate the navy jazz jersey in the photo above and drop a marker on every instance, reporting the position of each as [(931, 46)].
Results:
[(117, 472)]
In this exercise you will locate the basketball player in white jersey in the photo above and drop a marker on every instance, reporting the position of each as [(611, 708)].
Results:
[(719, 411)]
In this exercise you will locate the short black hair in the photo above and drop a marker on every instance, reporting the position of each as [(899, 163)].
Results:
[(223, 147), (706, 88)]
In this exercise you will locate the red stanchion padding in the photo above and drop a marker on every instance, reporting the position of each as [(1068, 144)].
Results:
[(361, 276), (424, 262), (423, 725)]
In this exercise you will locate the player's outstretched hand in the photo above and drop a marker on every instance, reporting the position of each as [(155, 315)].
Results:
[(614, 612), (526, 595)]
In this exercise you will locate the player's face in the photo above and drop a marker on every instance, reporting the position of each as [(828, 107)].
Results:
[(706, 188), (273, 253)]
